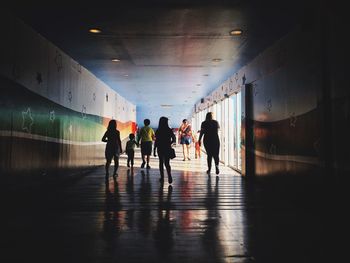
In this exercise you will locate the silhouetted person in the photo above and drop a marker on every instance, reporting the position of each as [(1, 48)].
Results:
[(209, 129), (113, 147), (164, 139), (130, 149), (146, 136), (185, 138)]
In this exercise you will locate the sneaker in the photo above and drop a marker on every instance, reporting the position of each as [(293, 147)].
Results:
[(184, 159), (208, 172), (217, 171), (170, 179), (148, 167), (188, 158), (128, 165), (143, 164)]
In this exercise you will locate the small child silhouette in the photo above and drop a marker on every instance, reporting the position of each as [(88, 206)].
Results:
[(130, 149)]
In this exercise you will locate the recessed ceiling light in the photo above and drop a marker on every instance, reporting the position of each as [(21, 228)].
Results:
[(236, 32), (216, 59), (126, 75), (95, 30), (115, 60), (206, 75)]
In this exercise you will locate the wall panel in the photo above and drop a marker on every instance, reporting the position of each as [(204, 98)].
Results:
[(53, 111)]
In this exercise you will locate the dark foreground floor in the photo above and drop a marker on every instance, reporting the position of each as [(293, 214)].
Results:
[(136, 219)]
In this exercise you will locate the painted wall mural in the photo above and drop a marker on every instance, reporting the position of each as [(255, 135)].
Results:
[(53, 111)]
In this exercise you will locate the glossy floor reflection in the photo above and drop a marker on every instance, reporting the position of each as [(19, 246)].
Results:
[(137, 219)]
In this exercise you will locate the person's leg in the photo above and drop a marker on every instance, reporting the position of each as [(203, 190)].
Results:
[(168, 169), (116, 165), (209, 158), (216, 159), (129, 159), (143, 161), (184, 151), (147, 160), (148, 152), (132, 156), (188, 146), (108, 163), (161, 167), (143, 154)]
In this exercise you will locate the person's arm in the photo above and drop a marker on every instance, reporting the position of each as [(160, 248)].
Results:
[(155, 147), (139, 136), (179, 133), (119, 142), (190, 133), (201, 135), (173, 138), (153, 135), (104, 138)]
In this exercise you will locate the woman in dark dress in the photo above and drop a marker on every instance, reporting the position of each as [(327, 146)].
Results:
[(209, 129), (113, 147), (164, 139)]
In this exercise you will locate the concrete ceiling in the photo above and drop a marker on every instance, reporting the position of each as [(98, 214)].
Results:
[(166, 48)]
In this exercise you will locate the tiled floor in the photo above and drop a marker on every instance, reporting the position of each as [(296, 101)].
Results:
[(136, 219)]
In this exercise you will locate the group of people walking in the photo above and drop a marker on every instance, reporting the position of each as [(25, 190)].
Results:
[(163, 138)]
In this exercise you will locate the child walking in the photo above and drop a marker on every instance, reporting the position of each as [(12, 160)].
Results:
[(113, 147), (130, 149)]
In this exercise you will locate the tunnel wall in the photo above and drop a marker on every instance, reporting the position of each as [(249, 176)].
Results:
[(53, 111), (287, 107), (299, 101)]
